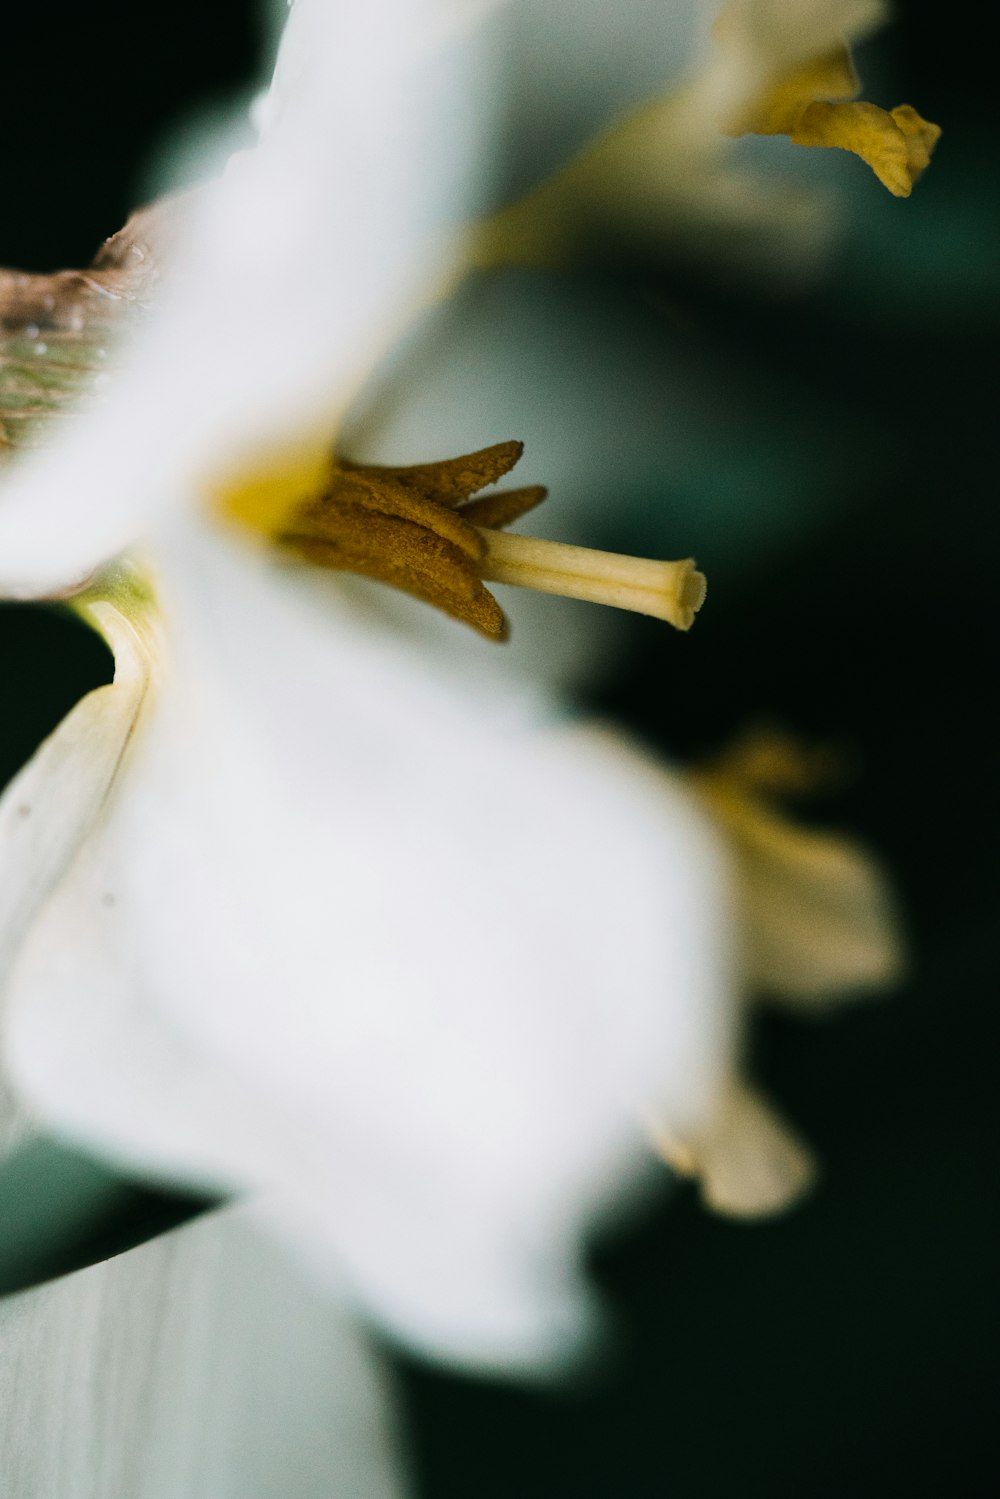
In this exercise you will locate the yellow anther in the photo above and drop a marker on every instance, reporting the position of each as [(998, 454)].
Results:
[(816, 104), (896, 144)]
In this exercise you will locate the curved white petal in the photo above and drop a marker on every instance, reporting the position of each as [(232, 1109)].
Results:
[(200, 1365), (52, 804), (300, 264), (291, 272), (369, 938)]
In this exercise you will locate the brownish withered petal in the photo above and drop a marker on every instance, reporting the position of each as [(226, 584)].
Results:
[(56, 330), (85, 304), (53, 336), (132, 261), (453, 479), (67, 302), (498, 510), (404, 555)]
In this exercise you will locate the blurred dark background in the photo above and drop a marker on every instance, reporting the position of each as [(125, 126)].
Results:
[(848, 1349)]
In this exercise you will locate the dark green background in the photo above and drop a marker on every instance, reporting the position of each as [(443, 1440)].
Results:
[(847, 1350)]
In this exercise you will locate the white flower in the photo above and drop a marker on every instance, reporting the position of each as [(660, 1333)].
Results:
[(302, 906), (348, 931), (294, 907)]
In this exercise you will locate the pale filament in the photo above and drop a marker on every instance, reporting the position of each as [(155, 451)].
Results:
[(672, 591)]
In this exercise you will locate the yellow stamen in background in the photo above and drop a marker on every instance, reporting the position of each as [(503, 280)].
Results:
[(896, 144), (766, 761), (816, 104), (817, 916), (671, 591), (778, 109)]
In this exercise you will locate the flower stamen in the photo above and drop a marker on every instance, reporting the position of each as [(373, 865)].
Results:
[(815, 103), (420, 530)]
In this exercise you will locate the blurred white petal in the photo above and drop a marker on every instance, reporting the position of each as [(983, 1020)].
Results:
[(352, 931), (302, 260), (199, 1365), (49, 808), (293, 269), (375, 942)]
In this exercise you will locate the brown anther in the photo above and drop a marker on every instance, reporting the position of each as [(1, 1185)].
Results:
[(415, 528)]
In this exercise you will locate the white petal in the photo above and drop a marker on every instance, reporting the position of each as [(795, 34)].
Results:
[(293, 270), (50, 806), (300, 265), (381, 946), (200, 1365)]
